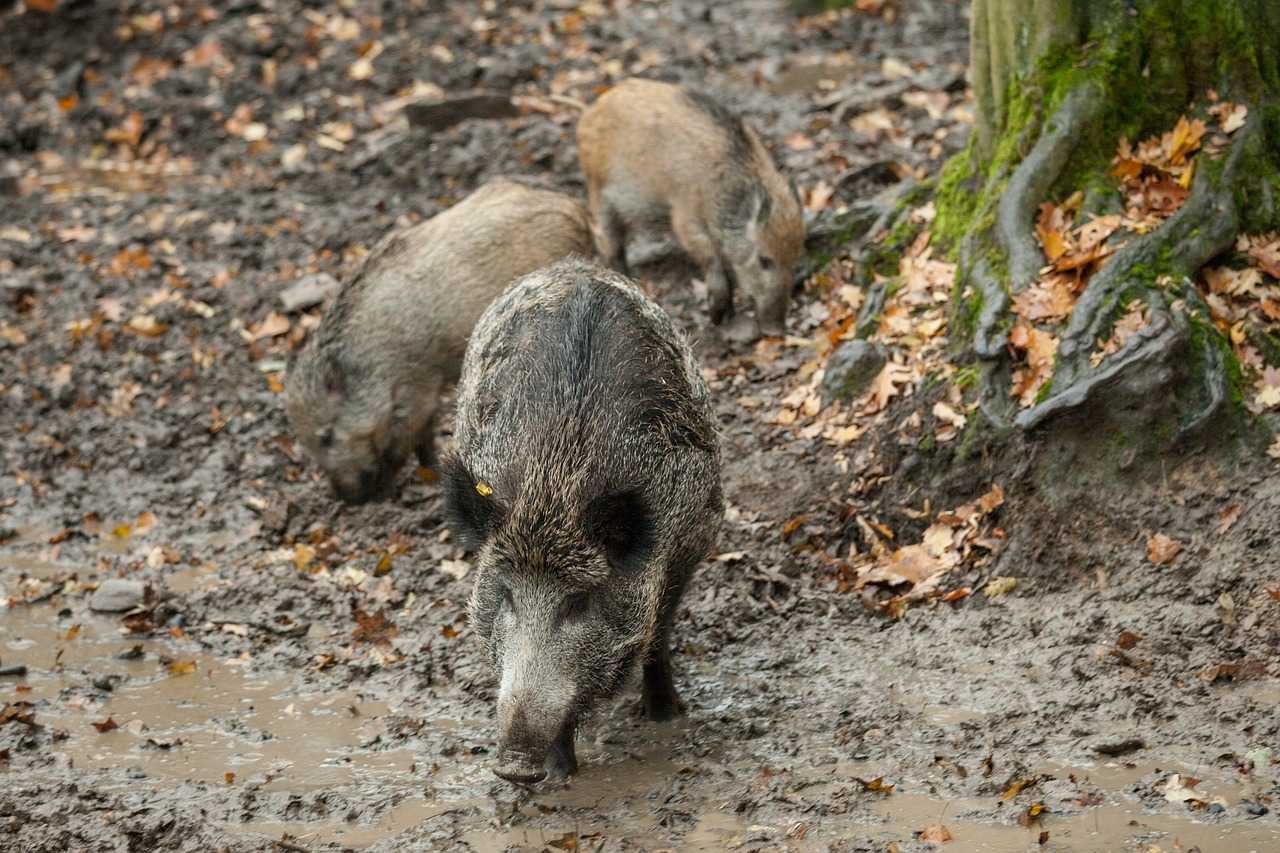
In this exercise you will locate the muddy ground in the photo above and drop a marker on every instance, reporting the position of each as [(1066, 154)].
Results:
[(301, 676)]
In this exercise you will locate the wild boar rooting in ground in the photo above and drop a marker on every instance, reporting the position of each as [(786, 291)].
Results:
[(659, 153), (587, 477), (362, 395)]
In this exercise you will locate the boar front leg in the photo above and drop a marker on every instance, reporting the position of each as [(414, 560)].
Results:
[(661, 701), (425, 444), (719, 292), (611, 236)]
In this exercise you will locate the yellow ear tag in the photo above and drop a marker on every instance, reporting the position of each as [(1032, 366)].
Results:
[(484, 488)]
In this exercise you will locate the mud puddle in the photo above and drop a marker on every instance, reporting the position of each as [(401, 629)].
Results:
[(184, 716)]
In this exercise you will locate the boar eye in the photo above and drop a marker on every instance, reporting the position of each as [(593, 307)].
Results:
[(326, 438), (766, 263)]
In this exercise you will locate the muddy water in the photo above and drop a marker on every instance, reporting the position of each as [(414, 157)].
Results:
[(277, 734)]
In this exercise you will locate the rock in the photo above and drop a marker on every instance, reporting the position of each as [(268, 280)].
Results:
[(434, 116), (1119, 747), (1253, 809), (308, 292), (117, 595), (17, 670), (852, 367)]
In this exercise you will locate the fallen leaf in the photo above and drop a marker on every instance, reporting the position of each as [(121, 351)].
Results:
[(182, 667), (1000, 586), (273, 326), (875, 786), (146, 326), (106, 725), (1231, 117), (1015, 788), (1227, 518), (1127, 640), (373, 628), (1162, 550), (303, 555), (935, 834), (456, 569)]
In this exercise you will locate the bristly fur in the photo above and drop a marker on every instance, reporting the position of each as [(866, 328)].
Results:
[(729, 122), (657, 152), (370, 378), (582, 410)]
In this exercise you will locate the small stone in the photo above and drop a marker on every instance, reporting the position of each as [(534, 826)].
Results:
[(308, 292), (1119, 747), (17, 670), (117, 595), (852, 367), (105, 682), (1254, 809)]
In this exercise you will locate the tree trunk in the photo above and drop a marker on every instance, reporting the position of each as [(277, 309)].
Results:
[(1058, 84)]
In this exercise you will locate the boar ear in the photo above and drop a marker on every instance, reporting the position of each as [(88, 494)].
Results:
[(469, 505), (622, 526)]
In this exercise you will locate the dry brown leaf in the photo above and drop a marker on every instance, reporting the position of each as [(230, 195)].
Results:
[(1015, 788), (107, 725), (182, 667), (1133, 320), (373, 628), (1230, 116), (912, 564), (1051, 298), (1227, 518), (1162, 550), (935, 834), (273, 326), (146, 326), (886, 384), (1040, 349)]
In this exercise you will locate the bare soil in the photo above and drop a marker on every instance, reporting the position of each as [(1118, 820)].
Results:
[(301, 676)]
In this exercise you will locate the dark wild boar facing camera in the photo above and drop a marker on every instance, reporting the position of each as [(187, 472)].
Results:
[(362, 396), (656, 152), (587, 479)]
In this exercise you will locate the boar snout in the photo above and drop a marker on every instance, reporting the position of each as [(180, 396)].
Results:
[(771, 316), (519, 767), (369, 485), (535, 722)]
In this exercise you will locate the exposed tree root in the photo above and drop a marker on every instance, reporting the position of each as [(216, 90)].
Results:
[(1030, 183), (1159, 355)]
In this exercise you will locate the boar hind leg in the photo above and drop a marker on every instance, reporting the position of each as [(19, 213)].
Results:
[(562, 760), (719, 292)]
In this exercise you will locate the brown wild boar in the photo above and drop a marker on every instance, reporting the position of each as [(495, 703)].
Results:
[(660, 153), (587, 477), (362, 395)]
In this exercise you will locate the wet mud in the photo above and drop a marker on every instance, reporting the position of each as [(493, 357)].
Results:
[(300, 675)]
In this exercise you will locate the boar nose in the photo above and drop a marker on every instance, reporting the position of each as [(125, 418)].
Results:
[(519, 767)]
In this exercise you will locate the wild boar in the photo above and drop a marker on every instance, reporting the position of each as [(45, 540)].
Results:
[(364, 392), (660, 153), (587, 479)]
